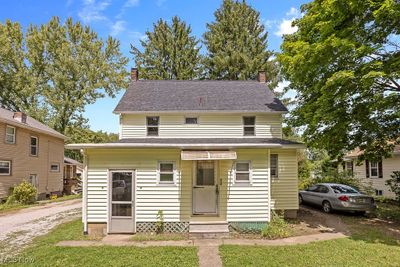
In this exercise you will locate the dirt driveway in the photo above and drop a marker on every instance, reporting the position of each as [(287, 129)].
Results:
[(17, 229)]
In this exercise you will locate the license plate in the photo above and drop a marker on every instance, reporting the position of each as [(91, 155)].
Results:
[(361, 200)]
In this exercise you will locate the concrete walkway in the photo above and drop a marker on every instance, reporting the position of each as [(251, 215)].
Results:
[(207, 248)]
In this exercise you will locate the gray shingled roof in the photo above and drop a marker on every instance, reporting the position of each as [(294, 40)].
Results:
[(31, 123), (188, 141), (203, 95)]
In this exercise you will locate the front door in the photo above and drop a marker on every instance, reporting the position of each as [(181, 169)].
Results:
[(205, 189), (121, 208)]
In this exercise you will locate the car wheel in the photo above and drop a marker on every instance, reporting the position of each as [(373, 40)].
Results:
[(300, 199), (326, 206)]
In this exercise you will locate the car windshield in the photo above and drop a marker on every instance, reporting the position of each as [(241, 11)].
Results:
[(341, 189)]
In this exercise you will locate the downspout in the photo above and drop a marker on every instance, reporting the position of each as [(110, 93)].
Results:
[(269, 184), (84, 191)]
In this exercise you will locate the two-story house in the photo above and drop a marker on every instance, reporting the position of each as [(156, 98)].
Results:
[(374, 174), (208, 154), (31, 151)]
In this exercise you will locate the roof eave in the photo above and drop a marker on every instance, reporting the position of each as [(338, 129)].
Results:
[(197, 111)]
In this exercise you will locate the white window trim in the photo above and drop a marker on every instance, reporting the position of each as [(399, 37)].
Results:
[(37, 146), (9, 168), (277, 166), (248, 125), (152, 126), (174, 172), (239, 182), (370, 169), (191, 117), (14, 135), (55, 163)]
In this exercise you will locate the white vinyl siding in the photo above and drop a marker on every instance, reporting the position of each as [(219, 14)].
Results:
[(208, 126), (284, 193)]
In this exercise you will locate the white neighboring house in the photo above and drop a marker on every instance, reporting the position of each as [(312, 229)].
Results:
[(209, 154), (374, 173)]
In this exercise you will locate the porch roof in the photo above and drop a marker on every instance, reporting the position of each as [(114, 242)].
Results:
[(207, 155), (185, 143)]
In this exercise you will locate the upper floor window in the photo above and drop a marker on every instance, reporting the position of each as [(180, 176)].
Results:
[(274, 165), (5, 167), (249, 126), (34, 146), (242, 172), (190, 120), (152, 126), (10, 134)]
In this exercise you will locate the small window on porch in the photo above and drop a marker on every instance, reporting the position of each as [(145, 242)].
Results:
[(166, 172), (242, 172), (274, 166)]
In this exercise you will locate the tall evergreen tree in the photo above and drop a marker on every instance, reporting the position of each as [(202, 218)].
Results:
[(237, 44), (170, 52)]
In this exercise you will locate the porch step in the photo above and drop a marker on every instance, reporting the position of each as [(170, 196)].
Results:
[(207, 230)]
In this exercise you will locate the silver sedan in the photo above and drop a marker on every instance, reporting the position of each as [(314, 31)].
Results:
[(337, 197)]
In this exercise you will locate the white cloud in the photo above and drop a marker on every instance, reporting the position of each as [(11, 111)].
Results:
[(285, 27), (293, 12), (131, 3), (93, 10), (118, 27), (281, 86)]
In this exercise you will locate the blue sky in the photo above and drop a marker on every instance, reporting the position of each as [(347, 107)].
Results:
[(128, 20)]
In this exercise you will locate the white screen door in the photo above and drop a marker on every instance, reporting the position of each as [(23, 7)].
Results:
[(121, 213), (205, 191)]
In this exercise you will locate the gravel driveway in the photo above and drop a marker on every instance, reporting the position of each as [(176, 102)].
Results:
[(19, 228)]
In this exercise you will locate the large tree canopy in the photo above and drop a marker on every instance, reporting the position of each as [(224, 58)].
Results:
[(237, 44), (53, 71), (344, 62), (170, 52)]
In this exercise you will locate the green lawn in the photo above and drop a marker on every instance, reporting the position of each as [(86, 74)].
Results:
[(44, 252), (4, 208)]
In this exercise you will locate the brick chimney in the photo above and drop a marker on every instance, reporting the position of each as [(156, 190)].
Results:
[(134, 74), (20, 116), (262, 78)]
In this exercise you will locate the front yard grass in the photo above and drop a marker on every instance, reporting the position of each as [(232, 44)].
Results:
[(43, 252), (5, 208)]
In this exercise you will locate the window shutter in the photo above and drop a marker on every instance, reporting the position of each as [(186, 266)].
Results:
[(367, 168), (380, 170)]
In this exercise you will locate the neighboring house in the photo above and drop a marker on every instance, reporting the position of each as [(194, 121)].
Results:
[(31, 151), (209, 154), (374, 173), (72, 176)]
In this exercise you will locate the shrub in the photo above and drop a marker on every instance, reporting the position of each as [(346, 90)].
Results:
[(24, 193), (394, 184), (160, 222), (276, 228)]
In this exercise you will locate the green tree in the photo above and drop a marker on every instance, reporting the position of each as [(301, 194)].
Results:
[(394, 184), (170, 52), (54, 70), (344, 63), (237, 44)]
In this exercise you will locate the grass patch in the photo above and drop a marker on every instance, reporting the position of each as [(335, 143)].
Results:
[(159, 237), (388, 211), (43, 252), (4, 208), (341, 252)]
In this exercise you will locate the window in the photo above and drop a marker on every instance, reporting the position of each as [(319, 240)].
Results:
[(322, 189), (343, 189), (205, 173), (378, 192), (34, 146), (374, 169), (166, 172), (190, 120), (274, 165), (121, 193), (242, 172), (55, 167), (249, 126), (152, 126), (10, 134), (5, 167), (349, 167)]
